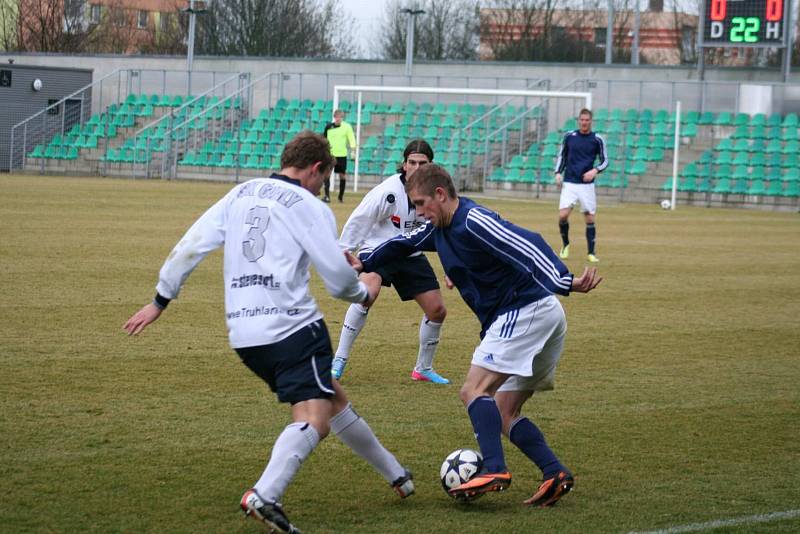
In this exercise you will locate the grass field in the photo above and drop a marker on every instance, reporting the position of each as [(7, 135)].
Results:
[(678, 396)]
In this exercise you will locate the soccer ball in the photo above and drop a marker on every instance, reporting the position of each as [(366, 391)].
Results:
[(459, 466), (666, 204)]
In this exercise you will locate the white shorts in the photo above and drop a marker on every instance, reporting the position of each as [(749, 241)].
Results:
[(572, 194), (526, 343)]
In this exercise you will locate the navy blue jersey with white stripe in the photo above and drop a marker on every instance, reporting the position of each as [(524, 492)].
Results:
[(577, 155), (496, 266)]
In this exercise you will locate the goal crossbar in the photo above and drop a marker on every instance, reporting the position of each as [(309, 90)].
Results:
[(360, 89)]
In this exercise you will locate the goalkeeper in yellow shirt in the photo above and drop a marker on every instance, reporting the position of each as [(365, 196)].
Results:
[(340, 135)]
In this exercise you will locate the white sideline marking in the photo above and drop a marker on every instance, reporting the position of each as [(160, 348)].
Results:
[(695, 527)]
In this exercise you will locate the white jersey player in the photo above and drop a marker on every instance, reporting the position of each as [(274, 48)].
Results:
[(272, 229), (386, 212)]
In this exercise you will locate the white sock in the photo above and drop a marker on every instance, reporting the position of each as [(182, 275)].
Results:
[(354, 321), (356, 434), (428, 341), (292, 447)]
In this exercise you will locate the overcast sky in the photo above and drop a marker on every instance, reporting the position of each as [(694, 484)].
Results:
[(368, 15)]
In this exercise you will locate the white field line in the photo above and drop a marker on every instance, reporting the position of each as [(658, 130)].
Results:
[(746, 520)]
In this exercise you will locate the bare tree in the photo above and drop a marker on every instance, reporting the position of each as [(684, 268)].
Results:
[(289, 28), (9, 11), (447, 30), (52, 26), (539, 30)]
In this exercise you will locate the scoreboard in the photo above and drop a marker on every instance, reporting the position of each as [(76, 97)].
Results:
[(758, 23)]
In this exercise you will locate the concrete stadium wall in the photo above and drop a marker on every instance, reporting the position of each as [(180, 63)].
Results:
[(612, 86)]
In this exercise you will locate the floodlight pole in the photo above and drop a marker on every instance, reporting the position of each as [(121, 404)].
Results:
[(786, 68), (410, 25), (637, 23), (610, 32), (190, 45)]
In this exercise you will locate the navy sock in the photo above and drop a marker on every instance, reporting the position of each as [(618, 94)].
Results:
[(530, 440), (563, 229), (590, 235), (488, 426)]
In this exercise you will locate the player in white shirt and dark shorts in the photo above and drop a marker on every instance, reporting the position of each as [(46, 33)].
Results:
[(383, 213), (272, 230)]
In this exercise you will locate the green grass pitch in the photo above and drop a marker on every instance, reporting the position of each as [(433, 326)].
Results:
[(677, 399)]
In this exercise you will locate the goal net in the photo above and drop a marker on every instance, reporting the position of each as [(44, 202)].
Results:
[(475, 133)]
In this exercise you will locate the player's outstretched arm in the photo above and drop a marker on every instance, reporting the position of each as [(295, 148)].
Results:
[(587, 281), (139, 320)]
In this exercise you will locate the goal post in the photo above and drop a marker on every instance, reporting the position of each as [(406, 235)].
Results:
[(359, 90)]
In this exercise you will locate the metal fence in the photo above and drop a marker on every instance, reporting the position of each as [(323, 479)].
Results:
[(81, 120)]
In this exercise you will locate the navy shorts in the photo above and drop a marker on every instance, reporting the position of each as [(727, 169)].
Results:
[(341, 165), (297, 368), (409, 276)]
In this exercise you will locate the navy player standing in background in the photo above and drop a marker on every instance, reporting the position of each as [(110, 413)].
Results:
[(508, 276), (272, 230), (575, 173)]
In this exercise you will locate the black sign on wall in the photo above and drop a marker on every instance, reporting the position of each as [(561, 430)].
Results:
[(5, 78)]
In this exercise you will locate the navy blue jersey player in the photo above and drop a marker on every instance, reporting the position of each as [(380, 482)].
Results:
[(576, 171), (509, 277)]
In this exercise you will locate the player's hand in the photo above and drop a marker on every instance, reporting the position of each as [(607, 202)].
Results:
[(354, 262), (587, 281), (559, 179), (449, 283), (589, 175), (141, 319)]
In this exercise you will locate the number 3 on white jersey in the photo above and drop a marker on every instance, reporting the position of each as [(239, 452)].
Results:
[(253, 248)]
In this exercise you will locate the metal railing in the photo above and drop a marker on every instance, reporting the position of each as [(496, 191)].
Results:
[(71, 134), (152, 141), (234, 109)]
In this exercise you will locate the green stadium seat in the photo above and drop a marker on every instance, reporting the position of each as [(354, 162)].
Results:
[(723, 119), (742, 158), (792, 189), (516, 162), (723, 186), (757, 188), (188, 158), (740, 187), (790, 121), (757, 173), (775, 188), (758, 146), (37, 152), (774, 119), (638, 168), (513, 175), (792, 175), (741, 131), (724, 158), (791, 147), (741, 119), (706, 118), (660, 129), (790, 134), (774, 146), (252, 162), (691, 117)]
